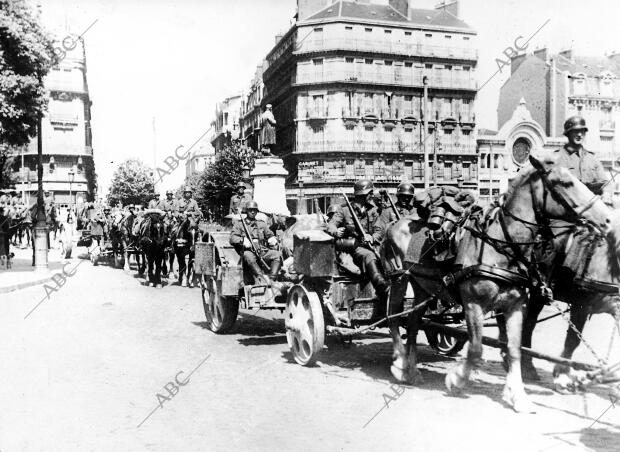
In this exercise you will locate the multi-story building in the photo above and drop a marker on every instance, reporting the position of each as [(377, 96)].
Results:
[(556, 86), (226, 123), (346, 83), (202, 156), (251, 110), (68, 166)]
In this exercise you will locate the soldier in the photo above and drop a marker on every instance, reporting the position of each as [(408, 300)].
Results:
[(331, 210), (404, 206), (188, 205), (154, 203), (582, 163), (169, 205), (239, 200), (341, 226), (262, 237)]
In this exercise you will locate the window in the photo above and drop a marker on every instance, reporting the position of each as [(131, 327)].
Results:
[(428, 66), (466, 68), (387, 32), (368, 30), (448, 37), (348, 60), (388, 63), (407, 33), (318, 29), (348, 28), (368, 60), (428, 35), (408, 64), (465, 38), (318, 62), (448, 67), (521, 150)]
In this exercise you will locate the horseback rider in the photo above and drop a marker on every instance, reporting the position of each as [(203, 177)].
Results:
[(169, 205), (188, 205), (581, 162), (263, 239), (342, 226), (239, 200)]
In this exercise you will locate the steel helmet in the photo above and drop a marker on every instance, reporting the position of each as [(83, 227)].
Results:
[(362, 187), (251, 205), (169, 192), (575, 123), (240, 185), (333, 208), (405, 189)]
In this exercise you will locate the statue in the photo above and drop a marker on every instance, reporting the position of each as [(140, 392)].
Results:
[(267, 132)]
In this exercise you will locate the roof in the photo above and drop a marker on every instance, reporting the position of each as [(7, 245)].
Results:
[(386, 13), (590, 66)]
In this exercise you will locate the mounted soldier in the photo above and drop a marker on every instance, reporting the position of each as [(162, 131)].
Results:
[(256, 252), (188, 205), (581, 162), (169, 205), (239, 200), (342, 226)]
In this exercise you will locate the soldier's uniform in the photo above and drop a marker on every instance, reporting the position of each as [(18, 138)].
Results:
[(238, 202), (189, 207), (582, 163), (260, 233), (362, 256), (170, 206)]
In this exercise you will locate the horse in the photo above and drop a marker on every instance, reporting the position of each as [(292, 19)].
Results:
[(115, 235), (583, 269), (153, 242), (183, 237), (130, 228), (491, 268)]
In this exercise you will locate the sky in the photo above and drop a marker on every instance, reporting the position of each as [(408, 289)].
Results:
[(171, 61)]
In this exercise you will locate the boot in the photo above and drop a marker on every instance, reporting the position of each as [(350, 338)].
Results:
[(376, 278), (275, 269), (256, 271)]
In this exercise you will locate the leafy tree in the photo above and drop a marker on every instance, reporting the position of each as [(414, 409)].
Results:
[(132, 183), (26, 55), (216, 184)]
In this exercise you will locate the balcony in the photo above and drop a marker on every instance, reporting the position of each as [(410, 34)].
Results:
[(343, 75), (387, 47), (390, 147), (60, 85), (607, 128)]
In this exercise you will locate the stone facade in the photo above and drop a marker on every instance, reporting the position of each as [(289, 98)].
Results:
[(346, 85), (226, 123)]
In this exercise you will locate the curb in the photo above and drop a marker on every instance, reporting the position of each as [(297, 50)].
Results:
[(26, 284)]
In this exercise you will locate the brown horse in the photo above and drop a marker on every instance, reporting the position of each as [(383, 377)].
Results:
[(492, 269), (584, 271)]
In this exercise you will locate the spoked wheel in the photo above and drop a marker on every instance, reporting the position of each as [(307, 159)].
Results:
[(445, 344), (220, 311), (305, 326)]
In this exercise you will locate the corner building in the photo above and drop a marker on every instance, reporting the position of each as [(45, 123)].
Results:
[(346, 85)]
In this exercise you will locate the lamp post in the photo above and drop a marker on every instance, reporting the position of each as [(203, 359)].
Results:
[(71, 179), (40, 248)]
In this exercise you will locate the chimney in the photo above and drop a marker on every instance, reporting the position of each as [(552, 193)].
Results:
[(451, 6), (402, 6), (307, 8)]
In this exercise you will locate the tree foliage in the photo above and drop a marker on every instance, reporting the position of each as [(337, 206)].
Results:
[(132, 183), (214, 187), (26, 53)]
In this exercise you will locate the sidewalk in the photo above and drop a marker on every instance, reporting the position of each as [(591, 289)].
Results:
[(22, 274)]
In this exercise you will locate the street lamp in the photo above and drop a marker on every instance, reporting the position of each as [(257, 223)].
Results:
[(41, 238), (71, 179)]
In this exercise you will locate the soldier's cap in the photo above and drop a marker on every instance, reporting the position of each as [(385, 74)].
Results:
[(187, 190), (251, 205), (575, 123), (240, 185), (169, 192)]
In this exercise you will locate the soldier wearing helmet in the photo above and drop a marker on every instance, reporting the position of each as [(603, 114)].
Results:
[(169, 205), (239, 200), (263, 239), (404, 206), (154, 203), (580, 161), (188, 205), (341, 226)]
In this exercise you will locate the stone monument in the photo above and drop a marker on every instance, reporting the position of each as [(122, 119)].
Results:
[(269, 175)]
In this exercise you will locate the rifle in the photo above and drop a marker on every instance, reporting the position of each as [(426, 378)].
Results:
[(358, 226), (318, 211), (396, 212), (261, 261)]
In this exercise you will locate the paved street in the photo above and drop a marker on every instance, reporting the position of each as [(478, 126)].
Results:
[(84, 370)]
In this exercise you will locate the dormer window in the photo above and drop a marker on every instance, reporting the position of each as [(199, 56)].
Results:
[(579, 84)]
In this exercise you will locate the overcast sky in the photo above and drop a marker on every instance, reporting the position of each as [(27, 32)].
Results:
[(174, 59)]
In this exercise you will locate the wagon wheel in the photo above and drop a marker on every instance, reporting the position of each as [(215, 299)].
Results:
[(221, 311), (444, 344), (305, 325)]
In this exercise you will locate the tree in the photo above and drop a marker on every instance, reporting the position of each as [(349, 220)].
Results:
[(26, 56), (217, 183), (132, 183)]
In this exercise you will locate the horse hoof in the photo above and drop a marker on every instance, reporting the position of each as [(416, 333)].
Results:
[(454, 381), (564, 384), (399, 374), (520, 403), (529, 372)]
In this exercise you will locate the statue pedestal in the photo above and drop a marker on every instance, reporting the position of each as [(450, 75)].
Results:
[(269, 193)]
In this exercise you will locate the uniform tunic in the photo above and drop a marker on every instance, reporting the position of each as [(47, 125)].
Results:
[(260, 233), (583, 165), (237, 203), (189, 207)]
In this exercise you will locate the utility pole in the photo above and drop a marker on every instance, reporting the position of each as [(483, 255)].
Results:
[(425, 130)]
